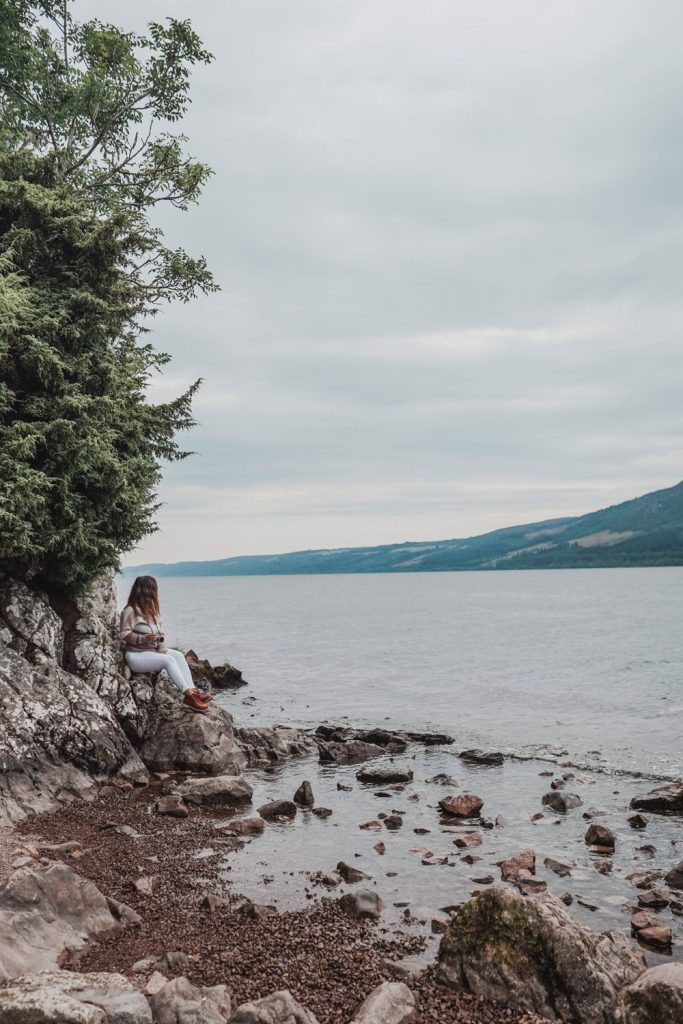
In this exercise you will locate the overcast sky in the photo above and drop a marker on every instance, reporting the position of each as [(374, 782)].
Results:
[(448, 236)]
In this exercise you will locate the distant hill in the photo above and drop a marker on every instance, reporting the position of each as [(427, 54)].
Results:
[(646, 531)]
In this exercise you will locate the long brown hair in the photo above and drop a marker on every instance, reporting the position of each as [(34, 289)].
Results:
[(144, 597)]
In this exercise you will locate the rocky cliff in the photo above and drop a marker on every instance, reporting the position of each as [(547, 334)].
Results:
[(70, 712)]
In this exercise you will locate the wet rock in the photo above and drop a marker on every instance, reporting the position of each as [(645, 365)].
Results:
[(322, 812), (524, 861), (657, 936), (484, 757), (390, 1003), (370, 826), (432, 859), (393, 822), (656, 997), (217, 791), (469, 840), (662, 800), (380, 848), (274, 745), (567, 899), (563, 870), (560, 801), (380, 775), (45, 910), (348, 753), (213, 677), (442, 779), (653, 899), (603, 867), (558, 784), (637, 821), (363, 903), (643, 919), (179, 739), (431, 739), (600, 835), (178, 1002), (246, 826), (528, 884), (350, 874), (278, 809), (532, 955), (344, 789), (483, 879), (65, 996), (278, 1008), (172, 805), (674, 878), (304, 795), (644, 879), (462, 805)]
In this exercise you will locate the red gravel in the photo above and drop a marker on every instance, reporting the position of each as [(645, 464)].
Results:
[(327, 960)]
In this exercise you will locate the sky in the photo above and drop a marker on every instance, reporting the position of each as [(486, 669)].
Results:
[(448, 235)]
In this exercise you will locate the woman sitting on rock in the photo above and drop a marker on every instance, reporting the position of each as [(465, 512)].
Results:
[(143, 640)]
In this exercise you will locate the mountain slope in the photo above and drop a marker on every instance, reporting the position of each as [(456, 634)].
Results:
[(644, 531)]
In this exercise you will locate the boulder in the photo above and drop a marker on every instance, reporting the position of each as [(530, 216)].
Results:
[(44, 911), (525, 861), (529, 954), (662, 800), (390, 1003), (70, 998), (304, 795), (656, 935), (180, 1002), (362, 903), (600, 835), (219, 790), (278, 809), (172, 805), (674, 877), (560, 801), (656, 997), (637, 821), (278, 1008), (247, 826), (350, 874), (179, 739), (272, 746), (462, 805), (484, 757), (382, 776), (213, 677), (348, 753)]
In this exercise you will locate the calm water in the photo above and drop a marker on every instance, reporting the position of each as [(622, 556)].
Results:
[(582, 659)]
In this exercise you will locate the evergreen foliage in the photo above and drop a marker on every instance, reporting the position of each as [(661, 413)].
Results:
[(83, 160)]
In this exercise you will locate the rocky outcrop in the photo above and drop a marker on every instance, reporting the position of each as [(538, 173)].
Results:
[(213, 677), (46, 910), (64, 996), (662, 800), (529, 953)]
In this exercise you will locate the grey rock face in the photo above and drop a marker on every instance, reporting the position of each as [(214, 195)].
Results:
[(278, 1008), (45, 911), (390, 1003), (63, 996), (180, 1002), (656, 997), (529, 953)]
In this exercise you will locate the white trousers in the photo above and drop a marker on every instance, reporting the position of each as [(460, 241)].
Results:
[(173, 662)]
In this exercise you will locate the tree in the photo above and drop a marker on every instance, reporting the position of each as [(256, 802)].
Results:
[(84, 158)]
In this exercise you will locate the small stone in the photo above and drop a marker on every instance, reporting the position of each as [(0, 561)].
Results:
[(379, 848), (350, 874), (322, 812), (146, 885), (172, 805), (603, 867), (561, 801), (467, 841), (637, 821), (370, 826), (393, 822), (304, 795), (600, 835), (246, 826), (558, 867)]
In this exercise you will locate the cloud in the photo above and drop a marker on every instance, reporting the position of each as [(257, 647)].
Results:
[(449, 240)]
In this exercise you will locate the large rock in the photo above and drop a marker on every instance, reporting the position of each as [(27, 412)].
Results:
[(350, 752), (179, 739), (662, 800), (462, 805), (529, 953), (44, 911), (383, 775), (278, 1008), (656, 997), (363, 903), (390, 1003), (271, 746), (180, 1002), (227, 790), (64, 997), (674, 877)]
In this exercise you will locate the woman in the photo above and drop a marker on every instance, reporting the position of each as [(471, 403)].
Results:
[(143, 641)]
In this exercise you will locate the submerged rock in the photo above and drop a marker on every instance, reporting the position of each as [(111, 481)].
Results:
[(531, 955)]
